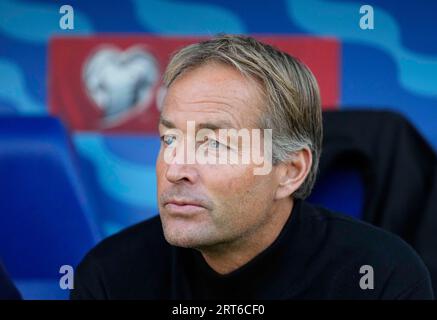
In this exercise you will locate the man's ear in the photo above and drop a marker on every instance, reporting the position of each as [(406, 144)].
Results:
[(293, 172)]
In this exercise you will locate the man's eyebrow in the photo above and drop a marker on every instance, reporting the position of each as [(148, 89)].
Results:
[(221, 124), (216, 125), (166, 123)]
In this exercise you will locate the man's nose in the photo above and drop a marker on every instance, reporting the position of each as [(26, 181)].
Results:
[(177, 172), (180, 168)]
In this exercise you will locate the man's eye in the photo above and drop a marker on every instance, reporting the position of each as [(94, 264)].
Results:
[(213, 144), (167, 139)]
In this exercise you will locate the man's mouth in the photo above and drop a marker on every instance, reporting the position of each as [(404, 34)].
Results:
[(184, 206)]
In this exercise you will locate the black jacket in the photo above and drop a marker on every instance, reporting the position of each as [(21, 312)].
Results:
[(399, 171), (318, 255)]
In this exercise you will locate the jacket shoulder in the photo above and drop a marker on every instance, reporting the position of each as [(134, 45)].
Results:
[(114, 268), (141, 238), (397, 266)]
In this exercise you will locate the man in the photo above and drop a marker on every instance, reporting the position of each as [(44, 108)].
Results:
[(225, 231)]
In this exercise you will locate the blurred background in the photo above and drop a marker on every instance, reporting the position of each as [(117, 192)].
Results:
[(78, 107)]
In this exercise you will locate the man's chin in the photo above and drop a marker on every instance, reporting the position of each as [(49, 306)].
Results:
[(184, 241), (196, 231), (188, 237)]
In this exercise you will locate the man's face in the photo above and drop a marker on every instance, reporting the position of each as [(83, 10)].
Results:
[(203, 205)]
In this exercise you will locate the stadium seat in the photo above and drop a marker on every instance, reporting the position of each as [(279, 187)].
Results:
[(340, 189), (46, 220)]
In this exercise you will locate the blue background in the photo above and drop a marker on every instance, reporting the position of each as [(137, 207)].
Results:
[(393, 66)]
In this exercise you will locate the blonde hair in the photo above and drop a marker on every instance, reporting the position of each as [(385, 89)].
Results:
[(293, 109)]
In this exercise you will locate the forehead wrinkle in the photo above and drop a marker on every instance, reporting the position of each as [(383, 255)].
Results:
[(228, 91), (216, 116), (235, 111), (219, 99), (207, 107)]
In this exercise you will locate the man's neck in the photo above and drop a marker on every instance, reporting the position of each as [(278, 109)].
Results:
[(229, 257)]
